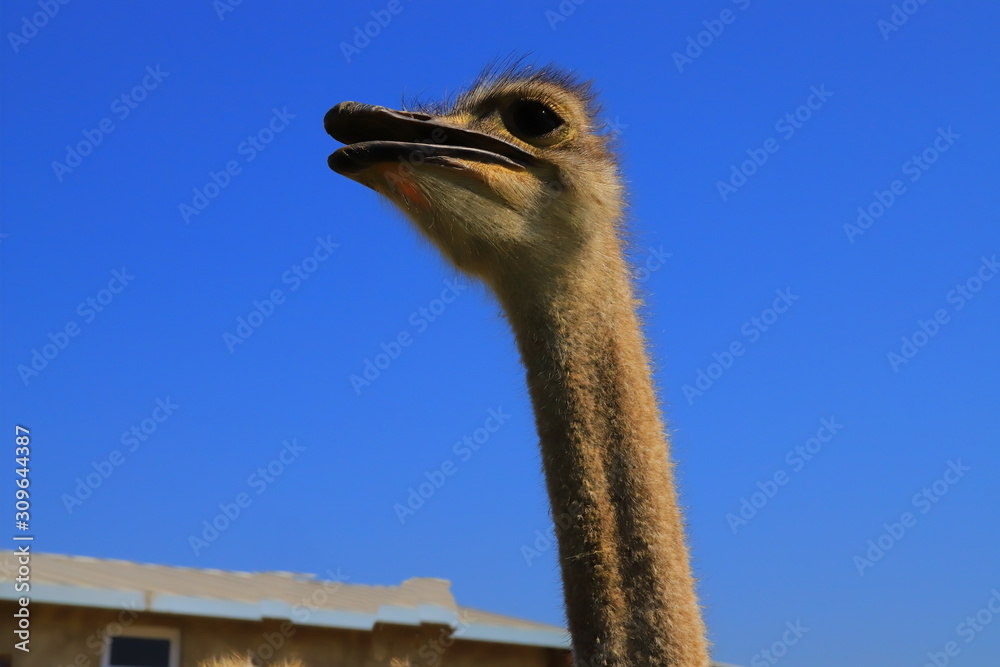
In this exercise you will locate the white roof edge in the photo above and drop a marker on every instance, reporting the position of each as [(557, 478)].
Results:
[(390, 613), (182, 604), (438, 615), (80, 596), (423, 613), (304, 614), (106, 598), (523, 636), (335, 618)]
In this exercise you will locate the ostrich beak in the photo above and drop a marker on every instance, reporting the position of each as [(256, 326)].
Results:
[(376, 135)]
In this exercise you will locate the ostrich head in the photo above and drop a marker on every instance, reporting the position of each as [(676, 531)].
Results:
[(511, 182)]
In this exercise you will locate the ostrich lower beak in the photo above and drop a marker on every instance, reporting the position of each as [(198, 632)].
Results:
[(377, 135)]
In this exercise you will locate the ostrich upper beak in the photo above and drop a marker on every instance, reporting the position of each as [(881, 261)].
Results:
[(377, 135)]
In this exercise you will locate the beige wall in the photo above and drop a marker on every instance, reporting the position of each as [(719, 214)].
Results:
[(63, 636)]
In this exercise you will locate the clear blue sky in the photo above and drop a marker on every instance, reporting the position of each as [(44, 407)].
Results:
[(719, 256)]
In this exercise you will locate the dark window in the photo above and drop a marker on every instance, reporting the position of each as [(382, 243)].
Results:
[(140, 652)]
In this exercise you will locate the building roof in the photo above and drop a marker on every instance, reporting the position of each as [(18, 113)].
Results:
[(304, 599)]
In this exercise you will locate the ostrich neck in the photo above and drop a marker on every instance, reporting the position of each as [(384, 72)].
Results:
[(627, 581)]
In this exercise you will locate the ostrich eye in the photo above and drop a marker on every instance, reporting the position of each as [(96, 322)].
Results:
[(529, 119)]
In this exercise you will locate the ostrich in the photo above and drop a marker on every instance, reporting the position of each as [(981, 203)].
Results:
[(516, 184), (237, 660)]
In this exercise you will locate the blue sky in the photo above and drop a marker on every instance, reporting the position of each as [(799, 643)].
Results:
[(865, 410)]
